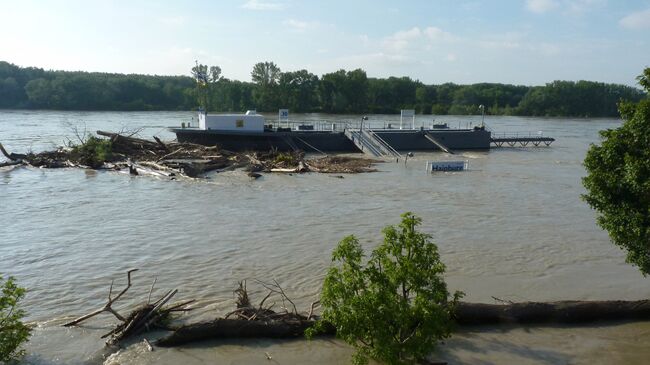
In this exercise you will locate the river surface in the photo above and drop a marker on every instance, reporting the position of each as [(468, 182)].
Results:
[(512, 227)]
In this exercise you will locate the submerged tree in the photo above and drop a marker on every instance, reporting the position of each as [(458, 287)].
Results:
[(395, 307), (618, 180), (13, 333)]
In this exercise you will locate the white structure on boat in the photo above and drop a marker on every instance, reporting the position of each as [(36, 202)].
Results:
[(249, 122)]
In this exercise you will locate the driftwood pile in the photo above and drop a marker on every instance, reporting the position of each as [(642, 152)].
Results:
[(248, 321), (145, 317), (172, 159)]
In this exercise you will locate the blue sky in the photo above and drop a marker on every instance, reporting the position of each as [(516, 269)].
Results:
[(528, 42)]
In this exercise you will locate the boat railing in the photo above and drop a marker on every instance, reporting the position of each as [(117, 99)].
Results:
[(314, 125), (539, 134), (383, 143)]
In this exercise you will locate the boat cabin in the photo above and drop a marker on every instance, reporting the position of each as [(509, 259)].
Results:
[(249, 122)]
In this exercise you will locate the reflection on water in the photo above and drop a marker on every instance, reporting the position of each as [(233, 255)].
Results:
[(512, 227)]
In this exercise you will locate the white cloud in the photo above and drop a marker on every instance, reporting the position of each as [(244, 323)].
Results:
[(541, 6), (502, 41), (437, 34), (296, 24), (173, 21), (566, 7), (402, 39), (405, 39), (547, 49), (579, 7), (503, 44), (262, 5), (451, 57), (637, 20)]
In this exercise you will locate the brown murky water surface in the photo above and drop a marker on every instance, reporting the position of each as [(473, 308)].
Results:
[(512, 227)]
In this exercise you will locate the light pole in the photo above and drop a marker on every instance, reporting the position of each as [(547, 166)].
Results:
[(361, 129), (482, 107)]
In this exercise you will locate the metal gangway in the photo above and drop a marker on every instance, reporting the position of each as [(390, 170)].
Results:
[(438, 144), (369, 142), (521, 139)]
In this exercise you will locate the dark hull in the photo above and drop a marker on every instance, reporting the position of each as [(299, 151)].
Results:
[(454, 139), (307, 141), (310, 141)]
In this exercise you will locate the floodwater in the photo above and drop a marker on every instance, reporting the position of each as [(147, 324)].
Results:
[(512, 227)]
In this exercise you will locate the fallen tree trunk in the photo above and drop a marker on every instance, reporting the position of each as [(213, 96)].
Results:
[(562, 312), (11, 163), (235, 328), (467, 314), (12, 156)]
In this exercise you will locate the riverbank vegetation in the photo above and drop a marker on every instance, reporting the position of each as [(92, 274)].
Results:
[(618, 180), (301, 91), (395, 307), (13, 332)]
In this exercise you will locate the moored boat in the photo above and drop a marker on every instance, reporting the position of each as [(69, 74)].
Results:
[(250, 131)]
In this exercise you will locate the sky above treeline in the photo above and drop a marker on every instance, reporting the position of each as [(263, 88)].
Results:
[(529, 42)]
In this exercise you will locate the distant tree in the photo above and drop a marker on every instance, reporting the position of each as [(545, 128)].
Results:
[(344, 91), (206, 80), (297, 90), (395, 307), (337, 92), (266, 75), (618, 180), (424, 96), (13, 333)]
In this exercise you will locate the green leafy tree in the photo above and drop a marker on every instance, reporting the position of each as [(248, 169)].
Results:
[(394, 308), (13, 333), (618, 180), (297, 90), (206, 81), (266, 76)]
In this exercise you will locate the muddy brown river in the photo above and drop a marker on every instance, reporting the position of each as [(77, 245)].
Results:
[(512, 227)]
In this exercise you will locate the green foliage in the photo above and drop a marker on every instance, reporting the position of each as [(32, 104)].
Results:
[(618, 180), (396, 307), (300, 91), (266, 76), (206, 81), (344, 92), (93, 152), (13, 333), (576, 99), (285, 159)]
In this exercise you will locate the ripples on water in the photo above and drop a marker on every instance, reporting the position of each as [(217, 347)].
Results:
[(512, 227)]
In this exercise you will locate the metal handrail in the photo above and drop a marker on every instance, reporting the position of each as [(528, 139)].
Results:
[(384, 144), (319, 125), (358, 135), (518, 135)]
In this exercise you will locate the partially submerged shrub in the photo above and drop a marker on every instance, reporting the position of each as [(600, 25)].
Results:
[(396, 307), (93, 152), (13, 333), (286, 159)]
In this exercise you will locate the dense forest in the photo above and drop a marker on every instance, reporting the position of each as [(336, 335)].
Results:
[(300, 91)]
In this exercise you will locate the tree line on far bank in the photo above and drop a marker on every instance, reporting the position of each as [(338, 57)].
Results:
[(301, 91)]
